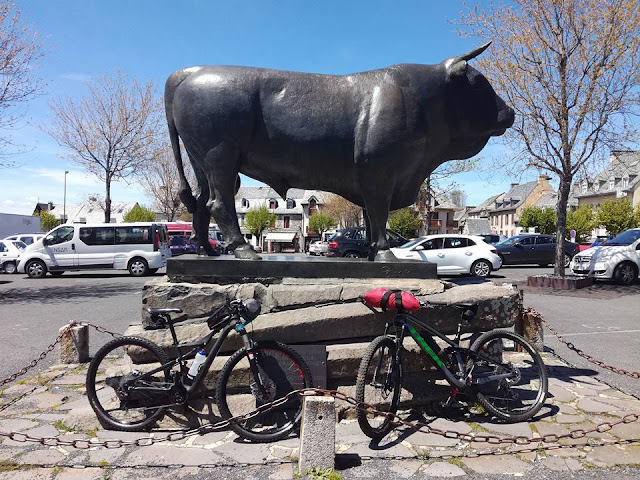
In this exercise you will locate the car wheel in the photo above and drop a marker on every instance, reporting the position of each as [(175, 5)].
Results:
[(9, 267), (352, 255), (502, 260), (138, 267), (36, 269), (481, 268), (626, 273)]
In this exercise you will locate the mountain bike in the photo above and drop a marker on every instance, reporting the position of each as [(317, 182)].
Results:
[(131, 381), (501, 371)]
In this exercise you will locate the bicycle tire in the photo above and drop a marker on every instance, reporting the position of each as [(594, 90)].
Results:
[(100, 365), (527, 371), (368, 361), (284, 370)]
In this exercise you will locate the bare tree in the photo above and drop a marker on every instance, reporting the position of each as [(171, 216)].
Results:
[(458, 197), (20, 50), (346, 213), (440, 182), (112, 131), (571, 71), (161, 181)]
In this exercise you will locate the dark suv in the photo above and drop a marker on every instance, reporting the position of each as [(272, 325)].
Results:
[(352, 242), (533, 248)]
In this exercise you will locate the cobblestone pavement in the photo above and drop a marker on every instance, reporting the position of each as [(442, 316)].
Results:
[(53, 403)]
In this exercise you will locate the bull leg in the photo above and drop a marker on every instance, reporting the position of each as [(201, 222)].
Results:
[(377, 210), (201, 215), (222, 184)]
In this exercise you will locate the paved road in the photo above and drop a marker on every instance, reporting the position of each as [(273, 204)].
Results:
[(602, 320)]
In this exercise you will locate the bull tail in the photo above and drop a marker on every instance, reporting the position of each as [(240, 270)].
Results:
[(186, 194)]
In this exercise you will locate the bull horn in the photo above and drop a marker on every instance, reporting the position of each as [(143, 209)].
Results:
[(473, 53)]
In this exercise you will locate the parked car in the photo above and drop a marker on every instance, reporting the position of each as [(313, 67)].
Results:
[(140, 247), (26, 238), (10, 251), (181, 244), (491, 238), (318, 247), (533, 248), (352, 242), (618, 259), (453, 253), (218, 248)]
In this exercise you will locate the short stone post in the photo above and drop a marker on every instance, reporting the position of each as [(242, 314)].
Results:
[(74, 346), (529, 325), (317, 434)]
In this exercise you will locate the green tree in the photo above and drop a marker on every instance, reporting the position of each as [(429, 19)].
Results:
[(139, 214), (47, 221), (636, 216), (321, 222), (615, 215), (582, 220), (405, 221), (542, 219), (257, 220)]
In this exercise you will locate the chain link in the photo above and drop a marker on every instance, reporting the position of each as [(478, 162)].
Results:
[(538, 317)]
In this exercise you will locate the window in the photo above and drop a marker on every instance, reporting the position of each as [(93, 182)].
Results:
[(27, 240), (625, 181), (596, 186), (433, 244), (62, 234), (133, 235), (360, 235), (3, 247), (291, 203), (285, 222), (97, 235), (313, 206), (273, 203), (245, 203), (612, 184), (585, 186), (526, 241), (544, 240), (454, 242)]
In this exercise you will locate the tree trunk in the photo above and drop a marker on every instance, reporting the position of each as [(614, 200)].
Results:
[(107, 202), (563, 199)]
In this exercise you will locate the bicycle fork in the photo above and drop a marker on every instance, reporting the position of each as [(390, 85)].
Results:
[(257, 387)]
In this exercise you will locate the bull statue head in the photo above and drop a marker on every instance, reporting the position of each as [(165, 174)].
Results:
[(457, 66)]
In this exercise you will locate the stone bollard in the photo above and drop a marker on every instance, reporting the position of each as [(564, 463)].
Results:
[(317, 434), (74, 346), (529, 325)]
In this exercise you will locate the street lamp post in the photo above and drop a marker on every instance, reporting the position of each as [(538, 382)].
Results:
[(64, 202)]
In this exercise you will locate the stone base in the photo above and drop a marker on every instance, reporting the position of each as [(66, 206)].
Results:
[(560, 283)]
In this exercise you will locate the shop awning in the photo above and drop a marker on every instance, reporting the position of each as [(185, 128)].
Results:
[(280, 237)]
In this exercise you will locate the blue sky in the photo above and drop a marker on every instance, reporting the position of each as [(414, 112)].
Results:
[(151, 39)]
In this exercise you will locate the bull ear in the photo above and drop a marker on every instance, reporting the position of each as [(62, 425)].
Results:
[(473, 53), (457, 68)]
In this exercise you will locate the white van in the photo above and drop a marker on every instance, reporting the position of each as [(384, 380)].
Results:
[(141, 248)]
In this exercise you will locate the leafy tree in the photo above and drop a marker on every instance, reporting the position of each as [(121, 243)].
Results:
[(112, 131), (20, 51), (636, 216), (257, 220), (615, 215), (405, 221), (47, 220), (139, 214), (321, 222), (569, 68), (582, 220), (542, 219)]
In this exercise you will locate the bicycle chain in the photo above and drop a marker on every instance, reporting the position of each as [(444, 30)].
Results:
[(209, 427), (620, 371)]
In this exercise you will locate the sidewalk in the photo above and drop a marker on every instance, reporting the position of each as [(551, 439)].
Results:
[(54, 403)]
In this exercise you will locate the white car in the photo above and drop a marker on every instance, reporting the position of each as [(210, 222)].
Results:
[(453, 253), (618, 259), (10, 251), (26, 238), (318, 248)]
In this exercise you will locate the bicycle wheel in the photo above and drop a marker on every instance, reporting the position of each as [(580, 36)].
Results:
[(521, 392), (378, 385), (281, 370), (121, 400)]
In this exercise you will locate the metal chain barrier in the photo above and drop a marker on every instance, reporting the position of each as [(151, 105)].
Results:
[(210, 427), (538, 316)]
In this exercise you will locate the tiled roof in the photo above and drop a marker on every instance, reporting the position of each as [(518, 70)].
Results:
[(623, 167), (476, 226), (547, 200), (486, 205), (514, 197)]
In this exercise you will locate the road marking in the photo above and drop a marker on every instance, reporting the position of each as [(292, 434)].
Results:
[(597, 333)]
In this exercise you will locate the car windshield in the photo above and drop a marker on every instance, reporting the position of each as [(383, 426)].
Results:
[(510, 241), (625, 238), (411, 243), (20, 245)]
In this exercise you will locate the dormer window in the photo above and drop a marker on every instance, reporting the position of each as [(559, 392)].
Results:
[(245, 203), (585, 186), (291, 203), (596, 186), (625, 181), (612, 184), (313, 206), (273, 204)]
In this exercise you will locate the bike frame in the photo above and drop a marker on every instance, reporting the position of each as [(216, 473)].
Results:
[(404, 321)]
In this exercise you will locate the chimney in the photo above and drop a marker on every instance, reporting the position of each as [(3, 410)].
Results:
[(543, 177), (514, 184)]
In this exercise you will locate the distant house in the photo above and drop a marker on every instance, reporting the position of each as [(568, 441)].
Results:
[(439, 217), (89, 212), (620, 179)]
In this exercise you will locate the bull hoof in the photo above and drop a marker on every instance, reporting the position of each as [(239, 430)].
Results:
[(385, 256), (245, 252)]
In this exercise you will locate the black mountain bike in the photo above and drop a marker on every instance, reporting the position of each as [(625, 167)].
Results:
[(501, 370), (131, 381)]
